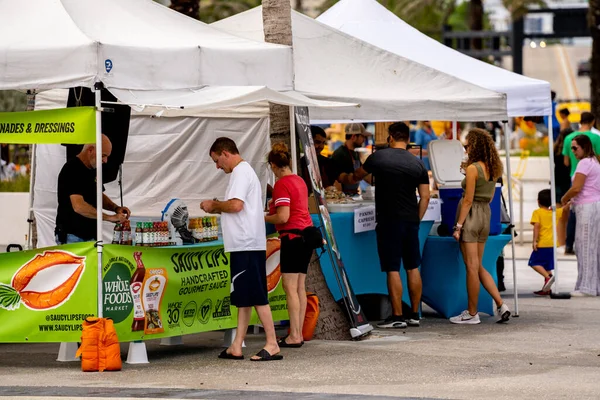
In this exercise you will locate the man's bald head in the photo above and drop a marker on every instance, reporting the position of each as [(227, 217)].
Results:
[(88, 153)]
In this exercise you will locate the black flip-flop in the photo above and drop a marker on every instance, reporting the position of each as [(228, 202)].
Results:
[(283, 343), (266, 356), (224, 354)]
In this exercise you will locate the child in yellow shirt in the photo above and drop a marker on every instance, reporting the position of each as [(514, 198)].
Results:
[(542, 257)]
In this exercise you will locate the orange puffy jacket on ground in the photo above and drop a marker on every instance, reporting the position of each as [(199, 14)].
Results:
[(99, 350)]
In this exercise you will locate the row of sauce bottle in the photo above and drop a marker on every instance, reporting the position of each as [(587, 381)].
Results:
[(154, 234)]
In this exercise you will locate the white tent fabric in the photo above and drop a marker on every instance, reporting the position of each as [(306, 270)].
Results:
[(166, 158), (231, 101), (331, 65), (370, 21), (133, 44)]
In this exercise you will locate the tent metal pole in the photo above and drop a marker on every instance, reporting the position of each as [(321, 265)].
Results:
[(32, 174), (99, 241), (293, 147), (553, 194), (454, 130), (512, 217)]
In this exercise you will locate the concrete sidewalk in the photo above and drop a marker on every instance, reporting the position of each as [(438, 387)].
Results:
[(551, 351)]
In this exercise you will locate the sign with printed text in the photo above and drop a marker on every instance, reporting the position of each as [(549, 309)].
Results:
[(46, 294), (76, 125), (153, 292), (364, 219), (434, 211)]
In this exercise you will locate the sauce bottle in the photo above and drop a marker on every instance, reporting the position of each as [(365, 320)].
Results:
[(135, 286), (117, 234), (139, 241)]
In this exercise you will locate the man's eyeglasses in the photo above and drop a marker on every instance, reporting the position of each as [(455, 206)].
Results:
[(574, 148)]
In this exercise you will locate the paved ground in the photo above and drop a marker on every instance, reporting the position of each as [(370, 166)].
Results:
[(551, 351)]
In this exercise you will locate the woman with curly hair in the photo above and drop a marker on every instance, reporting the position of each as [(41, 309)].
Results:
[(472, 228)]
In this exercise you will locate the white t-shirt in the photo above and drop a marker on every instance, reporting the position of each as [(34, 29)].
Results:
[(595, 131), (244, 230)]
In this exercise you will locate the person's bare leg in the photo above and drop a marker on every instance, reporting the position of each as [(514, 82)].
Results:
[(415, 288), (395, 292), (243, 320), (266, 318), (471, 258), (541, 270), (486, 279), (290, 287), (303, 301)]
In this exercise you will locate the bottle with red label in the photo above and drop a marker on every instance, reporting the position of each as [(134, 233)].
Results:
[(135, 286)]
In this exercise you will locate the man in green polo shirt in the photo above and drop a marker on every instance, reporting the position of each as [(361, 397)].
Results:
[(586, 124)]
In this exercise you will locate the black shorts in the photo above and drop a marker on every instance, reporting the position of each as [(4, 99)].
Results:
[(294, 256), (398, 241), (249, 278)]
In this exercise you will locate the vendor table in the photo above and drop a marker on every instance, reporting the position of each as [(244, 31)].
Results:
[(444, 274), (359, 254)]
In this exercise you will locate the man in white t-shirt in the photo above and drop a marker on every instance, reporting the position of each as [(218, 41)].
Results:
[(244, 238)]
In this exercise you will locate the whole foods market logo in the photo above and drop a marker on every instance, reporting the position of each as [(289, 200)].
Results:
[(204, 311), (116, 292), (44, 282)]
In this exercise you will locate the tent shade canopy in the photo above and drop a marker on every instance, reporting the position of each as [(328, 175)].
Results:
[(331, 65), (233, 101), (370, 21), (133, 44)]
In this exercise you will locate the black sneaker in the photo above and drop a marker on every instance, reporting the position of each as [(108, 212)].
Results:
[(393, 321), (413, 320)]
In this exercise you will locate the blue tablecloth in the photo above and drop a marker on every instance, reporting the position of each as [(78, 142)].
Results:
[(359, 254), (444, 274)]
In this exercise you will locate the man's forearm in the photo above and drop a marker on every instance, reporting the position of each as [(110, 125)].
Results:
[(229, 206), (86, 210), (423, 204), (108, 204)]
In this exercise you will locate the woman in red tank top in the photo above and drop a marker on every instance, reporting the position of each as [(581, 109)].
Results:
[(288, 210)]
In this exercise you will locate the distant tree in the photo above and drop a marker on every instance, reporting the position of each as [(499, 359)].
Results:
[(519, 8), (191, 8), (11, 100), (215, 10)]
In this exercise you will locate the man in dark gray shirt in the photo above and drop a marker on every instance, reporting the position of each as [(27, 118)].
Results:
[(397, 175)]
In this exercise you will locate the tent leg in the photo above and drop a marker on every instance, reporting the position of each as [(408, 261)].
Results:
[(31, 219), (454, 130), (512, 221), (99, 241), (293, 147)]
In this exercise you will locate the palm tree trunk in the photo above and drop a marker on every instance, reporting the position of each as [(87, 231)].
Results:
[(333, 323), (593, 23), (277, 23), (476, 21)]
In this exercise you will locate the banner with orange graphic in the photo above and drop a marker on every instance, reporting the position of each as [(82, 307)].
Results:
[(46, 294)]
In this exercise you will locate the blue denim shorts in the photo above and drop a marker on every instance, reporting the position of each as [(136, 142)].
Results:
[(543, 257)]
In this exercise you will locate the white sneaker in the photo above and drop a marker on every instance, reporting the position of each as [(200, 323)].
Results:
[(466, 318), (503, 313), (578, 293)]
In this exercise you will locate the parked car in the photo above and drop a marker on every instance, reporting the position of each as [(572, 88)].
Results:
[(584, 68)]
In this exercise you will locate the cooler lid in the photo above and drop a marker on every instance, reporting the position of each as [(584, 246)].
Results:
[(445, 157)]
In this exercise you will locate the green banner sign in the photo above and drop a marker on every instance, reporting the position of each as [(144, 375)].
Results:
[(46, 294), (75, 125), (162, 292)]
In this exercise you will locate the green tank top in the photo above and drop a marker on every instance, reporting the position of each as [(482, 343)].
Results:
[(484, 189)]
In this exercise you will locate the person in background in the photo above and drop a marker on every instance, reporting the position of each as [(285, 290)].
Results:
[(327, 167), (422, 138), (586, 124), (76, 192), (585, 197), (345, 158), (565, 124), (542, 257), (289, 212), (562, 171), (555, 122), (398, 175), (472, 228), (244, 238)]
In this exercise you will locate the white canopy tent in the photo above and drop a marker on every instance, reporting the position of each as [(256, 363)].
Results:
[(133, 44), (368, 20), (331, 65), (165, 155)]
